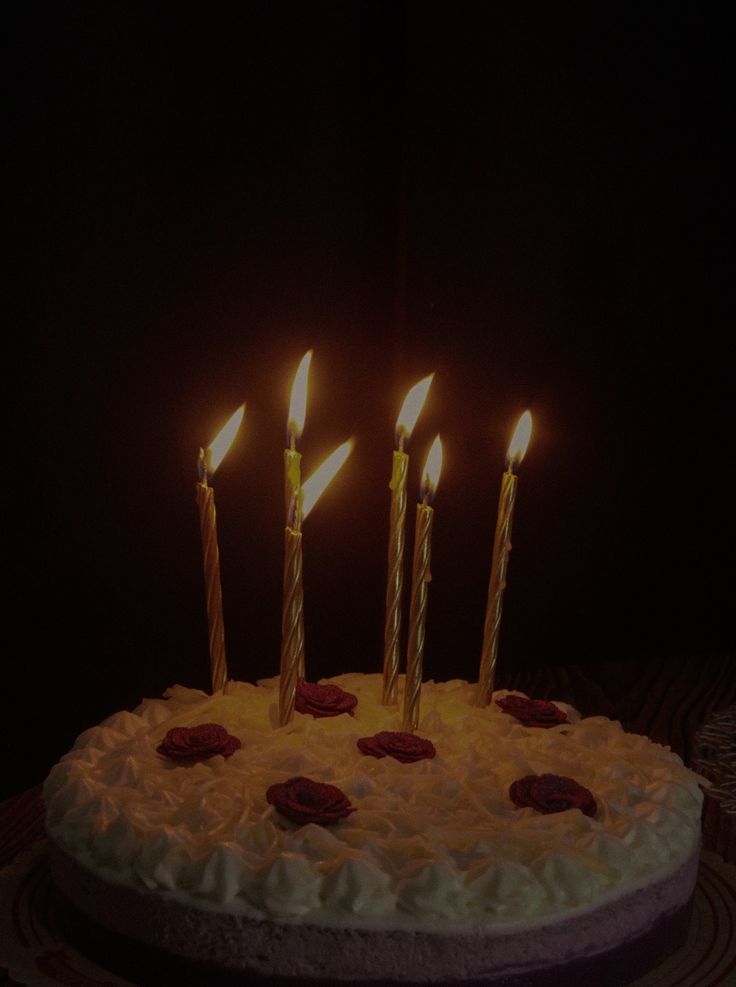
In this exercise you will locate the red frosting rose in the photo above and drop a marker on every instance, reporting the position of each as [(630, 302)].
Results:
[(305, 801), (552, 793), (190, 744), (533, 712), (324, 700), (402, 746)]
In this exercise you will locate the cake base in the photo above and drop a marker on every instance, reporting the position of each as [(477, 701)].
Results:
[(491, 961), (151, 967)]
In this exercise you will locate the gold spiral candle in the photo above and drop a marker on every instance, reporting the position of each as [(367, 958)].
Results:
[(408, 415), (213, 588), (292, 625), (293, 482), (395, 584), (500, 561), (301, 664), (421, 578), (292, 479), (293, 500), (291, 670), (496, 586), (208, 462)]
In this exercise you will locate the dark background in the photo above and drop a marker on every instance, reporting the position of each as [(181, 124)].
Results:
[(526, 199)]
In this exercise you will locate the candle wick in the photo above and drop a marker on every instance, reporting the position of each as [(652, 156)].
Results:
[(402, 436), (292, 441)]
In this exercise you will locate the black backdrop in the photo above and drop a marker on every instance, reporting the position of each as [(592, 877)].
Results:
[(526, 199)]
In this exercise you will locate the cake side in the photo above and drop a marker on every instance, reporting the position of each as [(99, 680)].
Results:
[(621, 928)]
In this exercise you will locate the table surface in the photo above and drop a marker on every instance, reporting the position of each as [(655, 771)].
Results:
[(666, 699)]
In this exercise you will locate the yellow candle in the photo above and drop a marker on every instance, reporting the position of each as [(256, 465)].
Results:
[(209, 460), (412, 406), (294, 429), (500, 561), (292, 468), (421, 578), (292, 615)]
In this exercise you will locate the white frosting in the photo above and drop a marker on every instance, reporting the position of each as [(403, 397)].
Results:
[(430, 843)]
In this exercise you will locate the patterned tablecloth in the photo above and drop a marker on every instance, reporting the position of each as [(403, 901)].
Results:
[(714, 757)]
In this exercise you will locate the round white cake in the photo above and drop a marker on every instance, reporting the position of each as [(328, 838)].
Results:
[(442, 868)]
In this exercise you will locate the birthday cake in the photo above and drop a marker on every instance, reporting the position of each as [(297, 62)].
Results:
[(513, 844)]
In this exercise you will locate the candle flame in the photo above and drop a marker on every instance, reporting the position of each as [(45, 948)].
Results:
[(432, 469), (411, 408), (298, 402), (223, 440), (314, 487), (520, 440)]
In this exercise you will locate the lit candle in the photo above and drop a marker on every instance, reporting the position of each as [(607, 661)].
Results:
[(294, 428), (421, 577), (499, 565), (292, 616), (412, 406), (293, 479), (209, 460)]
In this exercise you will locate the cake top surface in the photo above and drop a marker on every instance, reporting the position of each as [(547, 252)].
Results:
[(440, 836)]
